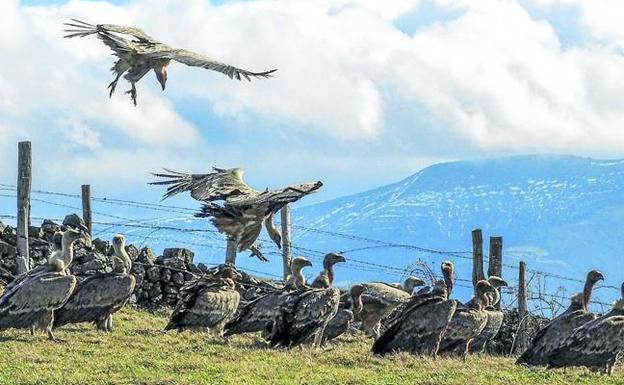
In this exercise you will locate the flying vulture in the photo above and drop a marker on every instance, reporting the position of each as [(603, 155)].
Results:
[(99, 296), (551, 336), (138, 53), (244, 209)]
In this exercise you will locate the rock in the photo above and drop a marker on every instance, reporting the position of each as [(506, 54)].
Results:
[(7, 250), (170, 289), (2, 226), (178, 279), (138, 270), (73, 220), (153, 274), (49, 227), (103, 246), (93, 265), (194, 269), (35, 232), (155, 292), (9, 235), (171, 299), (184, 254), (165, 275), (147, 256), (202, 267), (139, 280), (189, 277), (174, 263), (133, 252)]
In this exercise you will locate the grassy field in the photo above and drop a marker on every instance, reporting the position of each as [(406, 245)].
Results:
[(138, 352)]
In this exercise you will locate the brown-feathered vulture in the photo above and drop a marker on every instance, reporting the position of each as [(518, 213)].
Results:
[(419, 327), (326, 277), (347, 309), (244, 209), (99, 296), (207, 303), (494, 318), (467, 323), (138, 53), (596, 344), (30, 301), (258, 315), (303, 317), (552, 335), (380, 300)]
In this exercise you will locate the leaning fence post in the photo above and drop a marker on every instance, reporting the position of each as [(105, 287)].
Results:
[(286, 242), (24, 182), (86, 207), (477, 256)]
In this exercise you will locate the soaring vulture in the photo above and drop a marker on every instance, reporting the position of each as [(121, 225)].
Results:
[(138, 53), (419, 327), (244, 209), (494, 318), (99, 296), (207, 303), (304, 316), (30, 301), (347, 308), (326, 277), (550, 337), (596, 344), (467, 323), (380, 300), (258, 315)]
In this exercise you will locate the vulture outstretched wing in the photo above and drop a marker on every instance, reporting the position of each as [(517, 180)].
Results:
[(81, 29), (418, 329), (242, 226), (219, 185), (24, 304), (95, 298), (196, 60)]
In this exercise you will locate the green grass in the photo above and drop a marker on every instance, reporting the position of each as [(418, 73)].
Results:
[(138, 352)]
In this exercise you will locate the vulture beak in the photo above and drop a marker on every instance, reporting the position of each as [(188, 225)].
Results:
[(339, 258), (307, 263), (161, 76)]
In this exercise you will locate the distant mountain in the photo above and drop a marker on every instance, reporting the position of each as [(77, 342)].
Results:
[(562, 214)]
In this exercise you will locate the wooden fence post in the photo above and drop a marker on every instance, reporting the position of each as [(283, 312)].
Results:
[(230, 252), (477, 256), (24, 183), (286, 242), (522, 305), (86, 207), (496, 257)]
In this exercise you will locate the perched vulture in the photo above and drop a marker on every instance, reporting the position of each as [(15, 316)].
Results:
[(138, 53), (341, 323), (419, 327), (596, 344), (29, 302), (99, 296), (244, 209), (207, 303), (550, 337), (467, 323), (304, 316), (258, 315), (326, 278), (380, 300), (494, 318)]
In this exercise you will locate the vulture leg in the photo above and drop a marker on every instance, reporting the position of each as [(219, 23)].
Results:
[(112, 86), (109, 323), (32, 330), (133, 93), (48, 321)]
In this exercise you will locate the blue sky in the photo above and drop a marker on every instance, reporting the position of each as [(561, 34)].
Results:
[(366, 93)]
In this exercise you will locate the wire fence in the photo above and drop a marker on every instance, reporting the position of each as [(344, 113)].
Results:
[(205, 238)]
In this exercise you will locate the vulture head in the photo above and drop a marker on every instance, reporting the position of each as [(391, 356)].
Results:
[(331, 259), (71, 235), (594, 276), (298, 263), (356, 296), (119, 241), (448, 272), (483, 289), (411, 283), (306, 188), (497, 282)]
